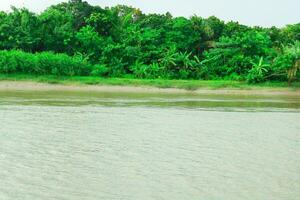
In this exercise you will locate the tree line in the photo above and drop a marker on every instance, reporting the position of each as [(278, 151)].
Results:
[(76, 38)]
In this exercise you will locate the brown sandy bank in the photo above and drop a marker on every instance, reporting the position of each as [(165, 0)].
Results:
[(35, 86)]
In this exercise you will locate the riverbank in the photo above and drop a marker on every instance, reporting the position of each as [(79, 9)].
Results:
[(44, 83)]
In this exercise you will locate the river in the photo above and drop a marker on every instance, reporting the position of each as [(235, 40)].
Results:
[(128, 146)]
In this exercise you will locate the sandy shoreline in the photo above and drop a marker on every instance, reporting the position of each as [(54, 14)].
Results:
[(35, 86)]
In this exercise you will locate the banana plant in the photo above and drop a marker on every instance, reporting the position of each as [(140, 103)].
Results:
[(261, 67), (258, 71), (168, 58)]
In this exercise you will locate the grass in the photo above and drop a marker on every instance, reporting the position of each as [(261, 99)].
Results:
[(159, 83)]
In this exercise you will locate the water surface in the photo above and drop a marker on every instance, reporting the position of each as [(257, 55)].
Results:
[(79, 145)]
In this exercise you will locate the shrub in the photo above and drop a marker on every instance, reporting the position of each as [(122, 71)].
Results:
[(141, 70), (288, 63), (100, 70), (234, 55), (258, 71), (45, 63)]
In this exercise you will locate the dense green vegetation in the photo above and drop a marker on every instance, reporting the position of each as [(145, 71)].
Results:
[(78, 39), (43, 63)]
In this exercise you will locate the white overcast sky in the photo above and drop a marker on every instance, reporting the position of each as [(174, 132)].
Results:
[(250, 12)]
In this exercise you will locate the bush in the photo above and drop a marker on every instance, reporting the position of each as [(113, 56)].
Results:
[(289, 61), (140, 70), (258, 72), (45, 63), (234, 55), (179, 65), (100, 70)]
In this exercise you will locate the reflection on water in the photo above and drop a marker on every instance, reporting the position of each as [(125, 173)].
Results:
[(188, 100), (76, 145)]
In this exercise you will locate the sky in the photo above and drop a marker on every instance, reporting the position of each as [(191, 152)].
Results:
[(264, 13)]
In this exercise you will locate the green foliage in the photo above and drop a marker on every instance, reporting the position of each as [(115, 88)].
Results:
[(141, 70), (56, 30), (42, 63), (288, 63), (235, 55), (19, 29), (178, 65), (258, 72), (100, 70), (291, 33), (89, 43), (122, 41)]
